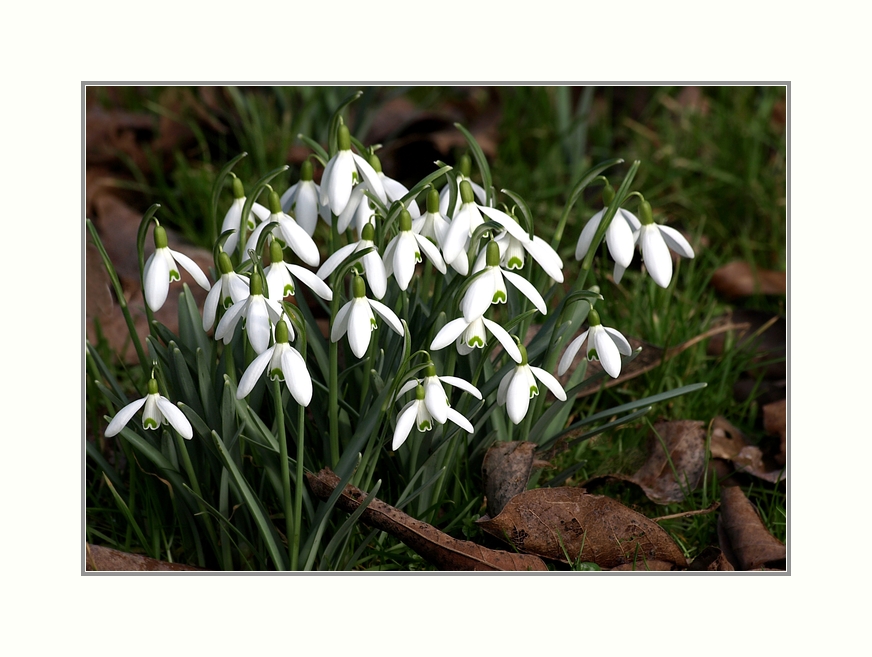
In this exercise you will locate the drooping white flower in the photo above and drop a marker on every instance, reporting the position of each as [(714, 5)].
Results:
[(161, 268), (303, 199), (233, 217), (435, 398), (158, 410), (489, 287), (462, 226), (290, 232), (619, 238), (373, 266), (518, 387), (259, 313), (341, 173), (230, 288), (417, 414), (434, 226), (463, 167), (515, 243), (403, 252), (655, 241), (357, 319), (283, 363), (603, 343), (473, 335), (280, 277)]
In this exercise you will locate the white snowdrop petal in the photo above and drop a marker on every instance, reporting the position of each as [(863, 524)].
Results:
[(606, 351), (435, 399), (388, 315), (299, 241), (340, 322), (676, 241), (359, 327), (460, 421), (569, 355), (587, 233), (449, 333), (334, 260), (658, 262), (463, 384), (371, 177), (122, 417), (340, 181), (623, 346), (528, 290), (252, 373), (312, 281), (550, 382), (297, 376), (175, 417), (505, 339), (156, 274), (257, 324), (479, 295), (405, 422), (619, 238)]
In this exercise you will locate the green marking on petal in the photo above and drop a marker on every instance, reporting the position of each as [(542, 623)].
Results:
[(592, 355), (475, 341), (289, 289), (515, 263), (534, 390), (277, 374), (150, 423), (174, 275), (373, 323), (227, 302), (499, 297), (417, 256), (424, 426)]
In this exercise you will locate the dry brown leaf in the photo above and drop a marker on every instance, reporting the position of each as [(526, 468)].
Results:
[(651, 565), (739, 279), (506, 470), (547, 521), (743, 534), (103, 559), (711, 559), (729, 443), (775, 423), (440, 549)]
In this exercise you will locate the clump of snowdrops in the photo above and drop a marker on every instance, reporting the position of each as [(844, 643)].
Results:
[(445, 322)]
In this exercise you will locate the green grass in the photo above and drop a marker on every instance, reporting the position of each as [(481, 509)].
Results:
[(718, 174)]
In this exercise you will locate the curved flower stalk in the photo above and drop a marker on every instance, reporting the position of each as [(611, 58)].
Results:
[(230, 288), (161, 268), (518, 387), (416, 413), (293, 235), (280, 277), (158, 410), (373, 266), (655, 241), (403, 252), (341, 173), (603, 343), (463, 167), (490, 287), (283, 363), (620, 236), (303, 199), (468, 336), (259, 314), (233, 217), (433, 226), (356, 318), (435, 399)]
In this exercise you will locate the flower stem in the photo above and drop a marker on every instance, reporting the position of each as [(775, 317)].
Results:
[(182, 448), (285, 470), (298, 493)]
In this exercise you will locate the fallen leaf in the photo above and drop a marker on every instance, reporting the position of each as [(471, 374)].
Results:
[(743, 534), (646, 565), (775, 423), (729, 443), (440, 549), (711, 559), (98, 558), (506, 469), (547, 521), (739, 279)]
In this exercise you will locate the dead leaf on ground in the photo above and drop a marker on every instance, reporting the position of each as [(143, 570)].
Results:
[(711, 559), (643, 565), (775, 423), (684, 442), (547, 521), (506, 470), (98, 558), (743, 536), (729, 443), (738, 279), (440, 549)]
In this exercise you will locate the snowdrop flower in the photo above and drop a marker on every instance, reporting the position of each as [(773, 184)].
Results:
[(404, 252), (394, 190), (473, 335), (230, 288), (515, 243), (293, 235), (341, 172), (465, 221), (619, 235), (655, 241), (373, 266), (434, 227), (518, 387), (303, 199), (233, 217), (158, 410), (356, 318), (416, 413), (283, 363), (280, 277), (257, 311), (445, 196), (161, 268), (490, 287), (603, 343), (435, 399)]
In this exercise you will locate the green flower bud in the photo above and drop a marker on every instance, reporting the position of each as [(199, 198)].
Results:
[(256, 285), (306, 171), (523, 351), (492, 258), (432, 201), (152, 387), (466, 194), (160, 237), (608, 195), (430, 370), (646, 216), (343, 137), (368, 233), (224, 264), (593, 318), (375, 163), (275, 203), (281, 332), (465, 165), (419, 392), (275, 252), (405, 221), (238, 191), (358, 287)]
